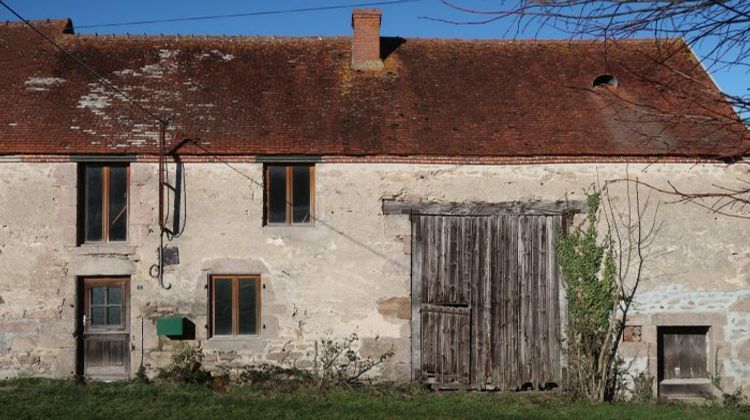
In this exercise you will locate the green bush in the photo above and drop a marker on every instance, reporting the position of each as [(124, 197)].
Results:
[(186, 368)]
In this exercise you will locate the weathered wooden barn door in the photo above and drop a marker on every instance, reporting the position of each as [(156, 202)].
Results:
[(486, 289), (445, 312), (525, 303)]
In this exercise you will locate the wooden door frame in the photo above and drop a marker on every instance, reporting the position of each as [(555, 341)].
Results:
[(83, 285), (416, 303)]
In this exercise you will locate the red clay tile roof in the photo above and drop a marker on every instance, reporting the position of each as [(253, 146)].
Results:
[(243, 95)]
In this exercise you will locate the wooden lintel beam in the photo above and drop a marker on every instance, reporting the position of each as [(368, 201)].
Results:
[(478, 208)]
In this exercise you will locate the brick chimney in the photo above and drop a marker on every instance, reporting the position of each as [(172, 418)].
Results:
[(366, 41)]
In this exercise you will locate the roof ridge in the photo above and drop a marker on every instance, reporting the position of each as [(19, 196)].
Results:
[(56, 26), (68, 28), (205, 37), (48, 21), (545, 40), (338, 38)]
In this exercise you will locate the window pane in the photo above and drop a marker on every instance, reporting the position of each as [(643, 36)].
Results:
[(114, 295), (223, 307), (113, 315), (247, 302), (98, 315), (276, 194), (118, 203), (98, 295), (93, 198), (301, 194)]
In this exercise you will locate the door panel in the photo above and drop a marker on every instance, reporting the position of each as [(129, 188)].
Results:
[(497, 276), (446, 343), (106, 334)]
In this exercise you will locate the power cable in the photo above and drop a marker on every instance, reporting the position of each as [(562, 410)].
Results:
[(83, 65), (236, 15)]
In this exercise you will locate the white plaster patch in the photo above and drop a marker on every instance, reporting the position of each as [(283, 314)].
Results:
[(165, 53), (96, 100), (127, 72), (275, 241), (222, 55), (41, 84)]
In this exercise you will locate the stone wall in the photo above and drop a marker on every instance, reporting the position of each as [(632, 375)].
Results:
[(349, 272)]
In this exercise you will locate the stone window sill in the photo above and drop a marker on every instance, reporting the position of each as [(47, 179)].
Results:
[(248, 342), (104, 249), (233, 338)]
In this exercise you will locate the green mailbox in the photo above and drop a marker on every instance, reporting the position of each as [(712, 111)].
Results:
[(171, 326)]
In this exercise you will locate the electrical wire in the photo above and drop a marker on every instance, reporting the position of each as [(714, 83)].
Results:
[(236, 15), (162, 121), (83, 65)]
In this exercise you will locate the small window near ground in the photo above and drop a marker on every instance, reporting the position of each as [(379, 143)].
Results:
[(104, 203), (235, 305), (683, 358), (289, 194)]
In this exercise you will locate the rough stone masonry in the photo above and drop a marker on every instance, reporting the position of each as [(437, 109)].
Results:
[(348, 272)]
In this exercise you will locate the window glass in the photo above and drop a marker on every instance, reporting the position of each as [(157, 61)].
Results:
[(98, 295), (113, 315), (94, 206), (118, 203), (104, 203), (236, 303), (247, 302), (276, 194), (301, 194), (114, 295), (98, 315), (223, 307)]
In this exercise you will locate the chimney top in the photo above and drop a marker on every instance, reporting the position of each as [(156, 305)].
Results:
[(366, 12), (366, 40)]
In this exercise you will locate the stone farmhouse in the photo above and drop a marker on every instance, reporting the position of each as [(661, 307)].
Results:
[(254, 195)]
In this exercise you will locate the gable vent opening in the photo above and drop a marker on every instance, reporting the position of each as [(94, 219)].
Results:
[(605, 80)]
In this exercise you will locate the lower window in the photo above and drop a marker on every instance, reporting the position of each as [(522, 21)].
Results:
[(683, 358), (235, 305)]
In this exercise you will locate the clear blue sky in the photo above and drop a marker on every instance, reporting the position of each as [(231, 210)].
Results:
[(404, 20)]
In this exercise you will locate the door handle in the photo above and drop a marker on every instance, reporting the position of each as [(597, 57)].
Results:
[(84, 320)]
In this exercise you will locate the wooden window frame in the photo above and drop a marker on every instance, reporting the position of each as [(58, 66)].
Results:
[(235, 278), (105, 203), (91, 282), (289, 215)]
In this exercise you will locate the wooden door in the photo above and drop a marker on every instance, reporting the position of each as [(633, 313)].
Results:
[(525, 303), (485, 307), (683, 361), (444, 262), (446, 344), (106, 329)]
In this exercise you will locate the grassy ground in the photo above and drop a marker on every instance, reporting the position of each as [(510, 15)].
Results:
[(63, 399)]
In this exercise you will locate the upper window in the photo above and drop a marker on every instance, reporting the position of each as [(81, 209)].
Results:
[(104, 202), (289, 194), (235, 305)]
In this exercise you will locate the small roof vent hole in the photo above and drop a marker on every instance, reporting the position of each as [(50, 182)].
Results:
[(605, 80)]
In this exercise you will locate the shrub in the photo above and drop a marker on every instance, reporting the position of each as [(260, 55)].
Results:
[(266, 373), (337, 363), (643, 388), (186, 368)]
